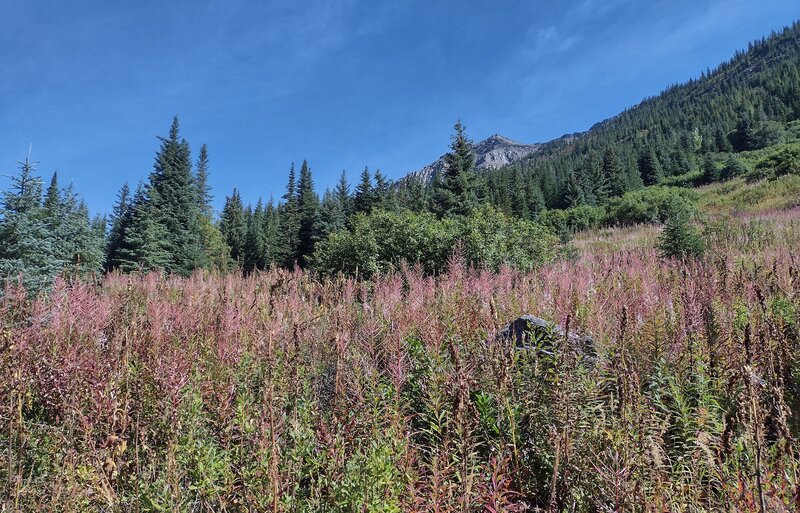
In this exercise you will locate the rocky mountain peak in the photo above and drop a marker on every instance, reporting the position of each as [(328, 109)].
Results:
[(493, 152)]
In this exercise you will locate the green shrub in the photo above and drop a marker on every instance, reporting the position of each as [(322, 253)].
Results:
[(584, 217), (381, 241), (651, 205), (785, 162)]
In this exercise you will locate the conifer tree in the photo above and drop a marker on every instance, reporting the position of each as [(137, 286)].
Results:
[(233, 227), (332, 214), (52, 197), (270, 227), (535, 200), (413, 195), (679, 238), (733, 168), (254, 243), (650, 168), (204, 196), (711, 173), (120, 223), (364, 196), (455, 189), (614, 173), (342, 193), (384, 199), (26, 248), (174, 203), (145, 246), (308, 210), (288, 246), (574, 192)]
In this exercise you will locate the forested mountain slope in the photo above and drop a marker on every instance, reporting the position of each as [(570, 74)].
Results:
[(744, 104)]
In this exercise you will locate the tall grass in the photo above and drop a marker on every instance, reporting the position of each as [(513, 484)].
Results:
[(286, 392)]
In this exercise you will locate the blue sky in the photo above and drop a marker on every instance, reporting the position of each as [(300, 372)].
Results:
[(344, 84)]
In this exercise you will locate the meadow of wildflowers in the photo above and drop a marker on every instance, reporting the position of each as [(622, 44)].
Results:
[(284, 391)]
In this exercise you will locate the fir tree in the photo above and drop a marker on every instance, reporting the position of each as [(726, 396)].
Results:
[(710, 171), (733, 168), (332, 215), (383, 197), (574, 192), (342, 193), (145, 246), (254, 243)]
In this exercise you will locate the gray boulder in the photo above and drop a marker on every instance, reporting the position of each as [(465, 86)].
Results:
[(531, 332)]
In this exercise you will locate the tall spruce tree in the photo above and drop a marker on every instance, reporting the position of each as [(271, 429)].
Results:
[(614, 173), (384, 199), (332, 214), (204, 197), (364, 196), (455, 189), (26, 246), (308, 210), (233, 227), (649, 167), (173, 203), (342, 193), (120, 223), (145, 246), (288, 246), (254, 242)]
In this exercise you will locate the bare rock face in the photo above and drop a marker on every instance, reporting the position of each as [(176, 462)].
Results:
[(492, 153)]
